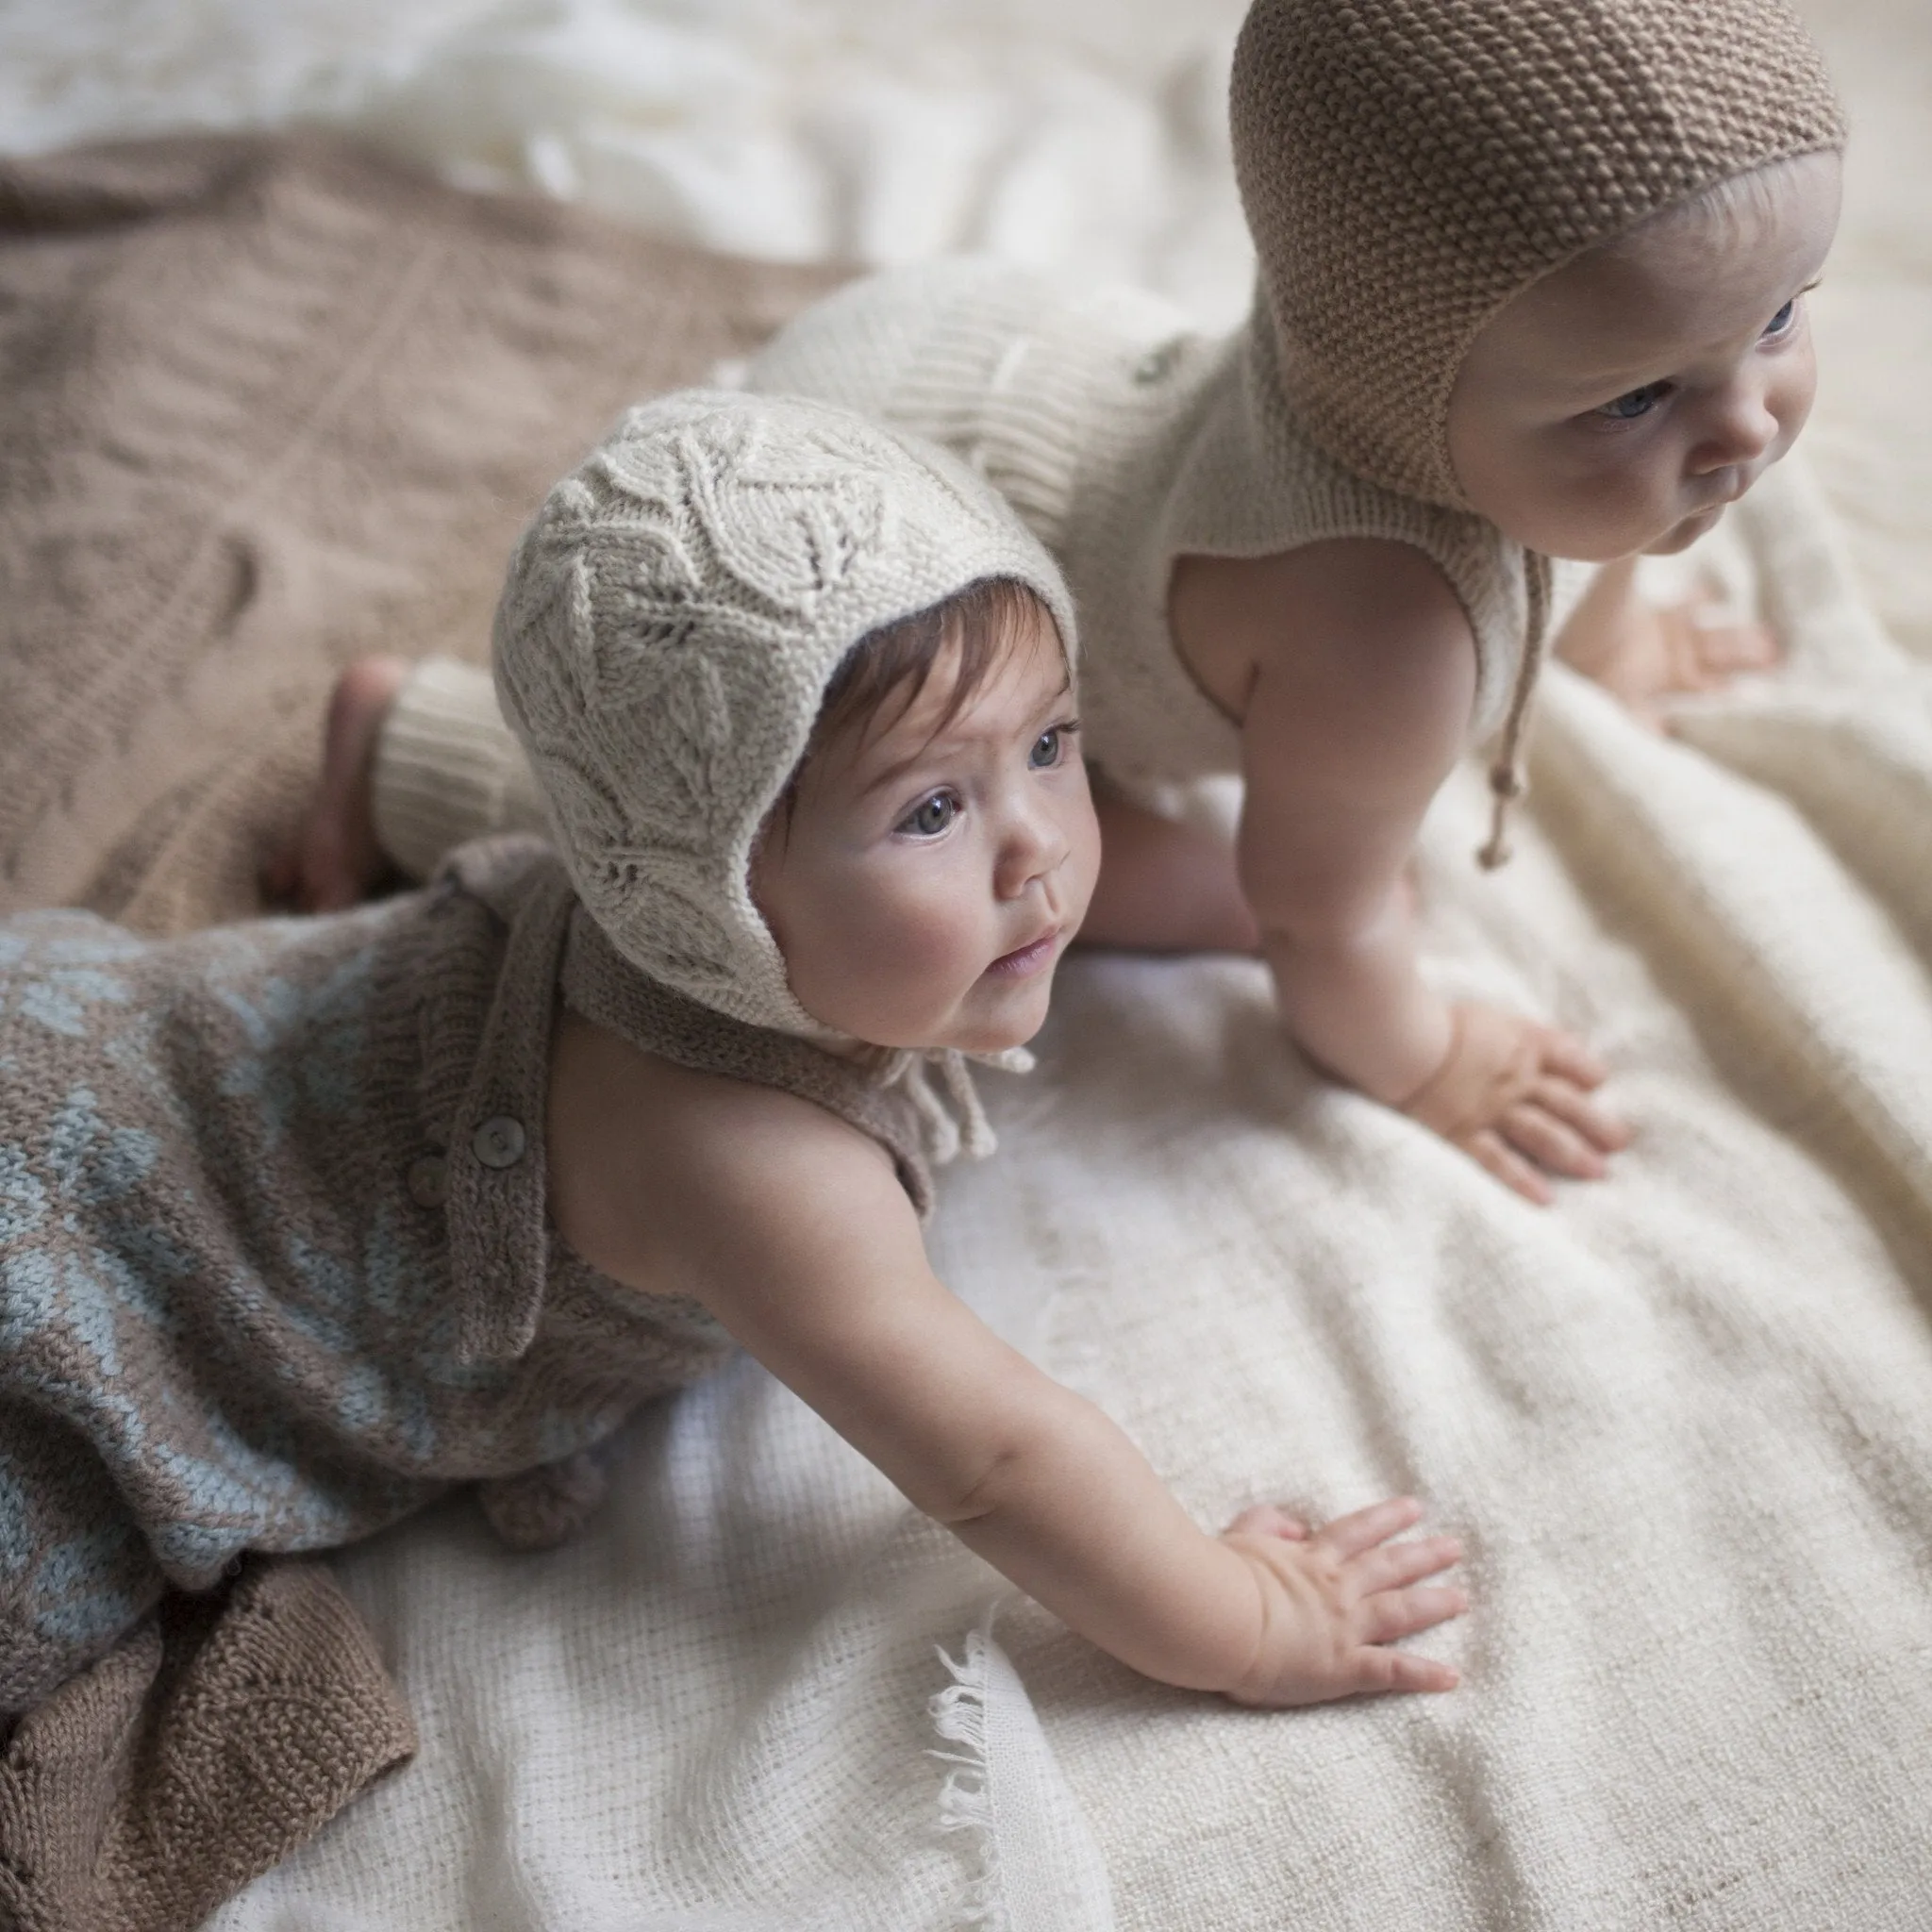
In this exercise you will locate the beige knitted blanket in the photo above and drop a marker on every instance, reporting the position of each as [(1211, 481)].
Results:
[(264, 405)]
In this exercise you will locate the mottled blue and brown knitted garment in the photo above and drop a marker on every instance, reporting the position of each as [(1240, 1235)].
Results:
[(274, 1268)]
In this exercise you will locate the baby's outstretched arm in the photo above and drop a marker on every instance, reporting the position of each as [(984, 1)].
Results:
[(1352, 669), (796, 1234)]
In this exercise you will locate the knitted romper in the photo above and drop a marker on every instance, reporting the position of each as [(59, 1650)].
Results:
[(275, 1270), (1126, 439), (1121, 437)]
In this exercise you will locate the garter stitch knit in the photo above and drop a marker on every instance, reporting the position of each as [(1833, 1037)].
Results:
[(671, 619)]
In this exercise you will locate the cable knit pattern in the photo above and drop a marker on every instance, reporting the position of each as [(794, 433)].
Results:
[(1409, 165), (666, 633)]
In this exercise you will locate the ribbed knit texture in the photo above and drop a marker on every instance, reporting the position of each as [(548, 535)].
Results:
[(668, 627), (1409, 165), (440, 776)]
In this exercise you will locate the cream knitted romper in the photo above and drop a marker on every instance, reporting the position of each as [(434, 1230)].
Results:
[(1407, 167), (1122, 437)]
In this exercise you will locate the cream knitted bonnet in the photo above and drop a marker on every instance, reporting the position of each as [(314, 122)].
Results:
[(669, 623), (1408, 166)]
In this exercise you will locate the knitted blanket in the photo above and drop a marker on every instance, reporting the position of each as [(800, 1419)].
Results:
[(264, 405)]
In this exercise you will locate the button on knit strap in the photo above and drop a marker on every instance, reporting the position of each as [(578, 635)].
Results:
[(496, 1168), (499, 1141)]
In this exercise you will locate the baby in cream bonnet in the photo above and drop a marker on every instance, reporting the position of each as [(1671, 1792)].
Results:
[(1531, 288), (305, 1222)]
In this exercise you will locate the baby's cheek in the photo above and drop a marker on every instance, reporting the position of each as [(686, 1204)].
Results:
[(911, 940)]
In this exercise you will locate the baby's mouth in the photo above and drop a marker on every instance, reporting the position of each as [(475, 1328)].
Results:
[(1024, 962)]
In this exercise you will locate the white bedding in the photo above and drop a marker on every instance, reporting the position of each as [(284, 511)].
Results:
[(1684, 1420)]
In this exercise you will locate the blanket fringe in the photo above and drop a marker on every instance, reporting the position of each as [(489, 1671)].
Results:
[(958, 1715)]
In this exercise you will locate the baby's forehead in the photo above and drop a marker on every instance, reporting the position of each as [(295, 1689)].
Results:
[(1690, 278), (926, 718)]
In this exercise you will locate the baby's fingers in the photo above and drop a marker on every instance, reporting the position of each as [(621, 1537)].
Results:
[(1372, 1669), (1564, 1053), (1597, 1125), (1488, 1149), (1551, 1143), (1362, 1529), (1394, 1565), (1392, 1613)]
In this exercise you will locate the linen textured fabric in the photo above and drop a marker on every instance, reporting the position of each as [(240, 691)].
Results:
[(1407, 166), (669, 623)]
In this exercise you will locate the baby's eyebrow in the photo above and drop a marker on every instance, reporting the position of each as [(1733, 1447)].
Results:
[(948, 740)]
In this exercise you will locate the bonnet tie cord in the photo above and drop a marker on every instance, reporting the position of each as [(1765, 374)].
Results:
[(1507, 782), (952, 1118)]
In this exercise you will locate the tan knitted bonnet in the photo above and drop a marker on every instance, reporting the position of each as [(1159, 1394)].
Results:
[(1408, 166), (669, 624)]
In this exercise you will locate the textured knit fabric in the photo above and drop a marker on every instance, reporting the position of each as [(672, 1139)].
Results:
[(203, 1748), (1409, 165), (669, 624), (440, 776), (267, 405), (1127, 439), (1122, 436), (275, 1269)]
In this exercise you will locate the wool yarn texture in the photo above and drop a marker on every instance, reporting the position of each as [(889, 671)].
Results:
[(671, 619), (1408, 166)]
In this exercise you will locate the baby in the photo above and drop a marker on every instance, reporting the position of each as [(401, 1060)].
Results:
[(1531, 287), (304, 1222)]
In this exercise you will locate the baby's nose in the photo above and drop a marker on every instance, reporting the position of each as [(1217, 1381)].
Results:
[(1741, 431)]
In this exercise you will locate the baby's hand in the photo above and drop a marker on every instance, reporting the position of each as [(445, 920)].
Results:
[(1514, 1095), (1335, 1600)]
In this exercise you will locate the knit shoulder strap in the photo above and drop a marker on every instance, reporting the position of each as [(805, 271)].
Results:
[(605, 987)]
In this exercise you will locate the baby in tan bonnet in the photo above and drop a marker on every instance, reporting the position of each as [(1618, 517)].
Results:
[(1531, 288)]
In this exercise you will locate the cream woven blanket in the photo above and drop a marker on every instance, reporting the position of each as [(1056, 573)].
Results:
[(1684, 1420)]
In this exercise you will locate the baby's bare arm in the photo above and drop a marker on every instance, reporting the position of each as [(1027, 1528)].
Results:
[(1357, 704), (1351, 667), (793, 1229)]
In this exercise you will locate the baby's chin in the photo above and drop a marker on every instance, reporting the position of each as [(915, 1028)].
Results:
[(1680, 537)]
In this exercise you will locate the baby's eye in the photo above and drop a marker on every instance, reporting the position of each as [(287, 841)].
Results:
[(1782, 321), (1639, 402), (931, 816), (1048, 748)]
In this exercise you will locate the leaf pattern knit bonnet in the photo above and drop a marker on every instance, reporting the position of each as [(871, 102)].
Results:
[(669, 621), (1409, 166)]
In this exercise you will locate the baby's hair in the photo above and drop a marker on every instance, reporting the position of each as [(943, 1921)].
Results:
[(1738, 203), (893, 663)]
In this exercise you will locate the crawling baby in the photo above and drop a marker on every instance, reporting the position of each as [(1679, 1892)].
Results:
[(305, 1222)]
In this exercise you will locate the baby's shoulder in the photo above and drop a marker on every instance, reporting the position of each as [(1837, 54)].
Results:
[(653, 1164), (1378, 602)]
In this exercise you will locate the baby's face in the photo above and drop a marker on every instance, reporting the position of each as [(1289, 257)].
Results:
[(1618, 405), (928, 880)]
